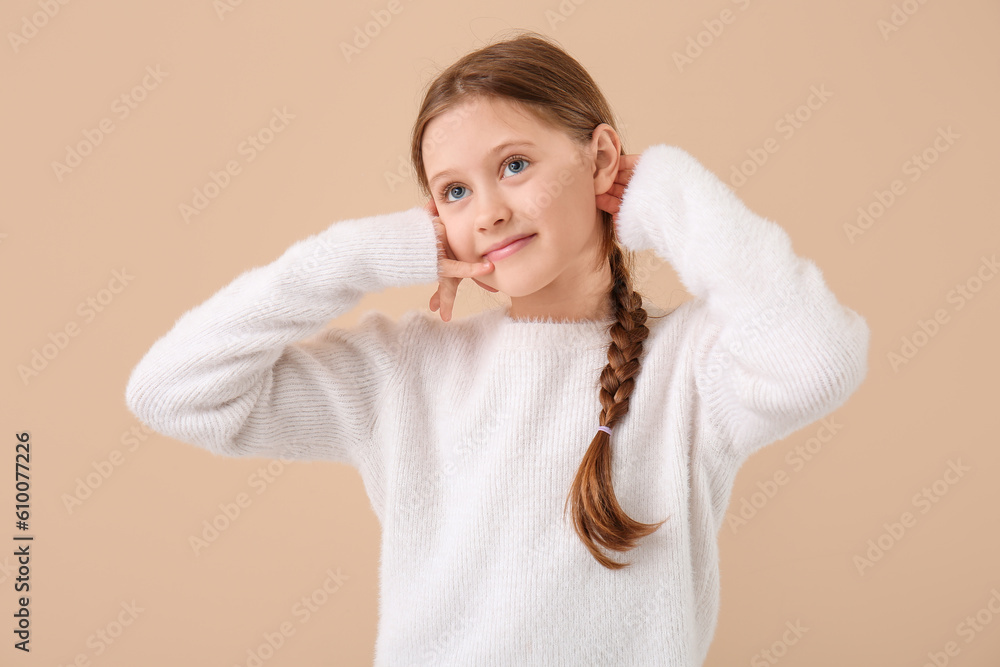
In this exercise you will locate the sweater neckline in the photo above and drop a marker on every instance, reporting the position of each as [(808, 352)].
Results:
[(505, 314), (546, 333)]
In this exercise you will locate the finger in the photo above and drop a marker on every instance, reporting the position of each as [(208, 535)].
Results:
[(448, 290), (608, 203), (628, 161), (445, 291), (624, 176), (457, 269), (447, 301), (616, 190)]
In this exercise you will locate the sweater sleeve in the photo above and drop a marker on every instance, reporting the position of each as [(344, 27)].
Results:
[(778, 351), (235, 374)]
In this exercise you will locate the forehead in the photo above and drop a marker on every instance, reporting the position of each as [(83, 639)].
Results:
[(475, 126)]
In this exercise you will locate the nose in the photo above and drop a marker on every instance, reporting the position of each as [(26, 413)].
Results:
[(491, 208)]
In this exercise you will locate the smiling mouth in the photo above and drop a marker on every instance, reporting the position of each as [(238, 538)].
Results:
[(509, 249)]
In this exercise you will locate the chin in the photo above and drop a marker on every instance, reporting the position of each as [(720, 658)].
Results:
[(515, 290)]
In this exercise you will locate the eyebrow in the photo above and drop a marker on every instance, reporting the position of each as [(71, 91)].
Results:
[(493, 151)]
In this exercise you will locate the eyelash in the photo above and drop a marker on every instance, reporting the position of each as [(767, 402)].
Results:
[(513, 158)]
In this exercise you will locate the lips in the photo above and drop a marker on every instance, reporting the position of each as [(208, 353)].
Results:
[(508, 247), (506, 241)]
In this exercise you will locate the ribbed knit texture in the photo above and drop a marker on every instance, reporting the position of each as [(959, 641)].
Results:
[(468, 434)]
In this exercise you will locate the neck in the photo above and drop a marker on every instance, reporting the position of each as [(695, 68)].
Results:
[(573, 296)]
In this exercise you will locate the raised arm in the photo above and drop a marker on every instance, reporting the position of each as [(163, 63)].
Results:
[(778, 350), (235, 374)]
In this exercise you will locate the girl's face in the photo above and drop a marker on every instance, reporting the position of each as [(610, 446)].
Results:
[(496, 171)]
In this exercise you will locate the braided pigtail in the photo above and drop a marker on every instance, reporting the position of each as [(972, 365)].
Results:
[(597, 516), (534, 71)]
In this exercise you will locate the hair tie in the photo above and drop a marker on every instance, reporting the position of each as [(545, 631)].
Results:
[(605, 429)]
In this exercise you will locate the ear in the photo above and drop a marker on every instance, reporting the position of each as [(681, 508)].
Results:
[(605, 148)]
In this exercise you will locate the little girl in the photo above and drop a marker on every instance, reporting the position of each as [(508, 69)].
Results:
[(510, 456)]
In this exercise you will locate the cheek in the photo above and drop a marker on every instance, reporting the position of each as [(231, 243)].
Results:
[(545, 197), (462, 242), (581, 189), (572, 202)]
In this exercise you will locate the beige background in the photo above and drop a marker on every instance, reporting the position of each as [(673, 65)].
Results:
[(223, 72)]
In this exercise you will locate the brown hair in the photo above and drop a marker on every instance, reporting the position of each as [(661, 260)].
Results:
[(534, 73)]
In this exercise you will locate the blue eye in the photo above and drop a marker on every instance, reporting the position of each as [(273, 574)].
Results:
[(516, 159), (451, 189)]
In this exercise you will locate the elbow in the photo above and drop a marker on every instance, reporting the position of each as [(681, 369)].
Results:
[(847, 360), (146, 396), (146, 400), (818, 383), (838, 370), (140, 395), (859, 342), (150, 399)]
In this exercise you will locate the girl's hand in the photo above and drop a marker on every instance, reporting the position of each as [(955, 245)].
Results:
[(451, 270), (611, 200)]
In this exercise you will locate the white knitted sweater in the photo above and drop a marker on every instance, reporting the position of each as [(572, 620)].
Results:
[(468, 434)]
